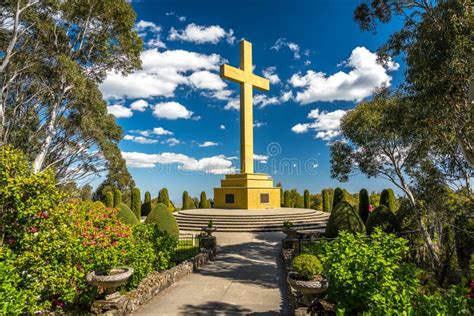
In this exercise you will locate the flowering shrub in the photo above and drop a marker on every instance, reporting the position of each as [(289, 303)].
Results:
[(52, 245)]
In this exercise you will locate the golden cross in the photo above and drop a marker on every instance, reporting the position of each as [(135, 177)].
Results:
[(247, 80)]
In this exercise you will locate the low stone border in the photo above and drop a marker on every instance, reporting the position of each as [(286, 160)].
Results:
[(154, 284), (286, 256)]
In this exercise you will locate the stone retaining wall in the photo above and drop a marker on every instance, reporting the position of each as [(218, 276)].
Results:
[(154, 284)]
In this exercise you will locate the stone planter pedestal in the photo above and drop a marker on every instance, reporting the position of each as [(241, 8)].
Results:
[(209, 244)]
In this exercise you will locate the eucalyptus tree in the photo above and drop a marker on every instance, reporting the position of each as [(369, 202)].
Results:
[(53, 59)]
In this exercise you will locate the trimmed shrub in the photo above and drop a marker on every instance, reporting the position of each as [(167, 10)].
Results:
[(287, 199), (364, 205), (384, 218), (387, 198), (163, 219), (343, 217), (109, 199), (185, 202), (340, 195), (164, 198), (117, 197), (307, 199), (126, 215), (204, 203), (136, 203), (146, 206), (307, 266), (326, 201)]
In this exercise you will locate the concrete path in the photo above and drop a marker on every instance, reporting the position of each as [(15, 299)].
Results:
[(245, 279)]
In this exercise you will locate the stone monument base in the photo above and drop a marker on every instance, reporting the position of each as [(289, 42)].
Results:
[(247, 191)]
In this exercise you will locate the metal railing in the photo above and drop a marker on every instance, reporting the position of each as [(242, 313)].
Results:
[(188, 247)]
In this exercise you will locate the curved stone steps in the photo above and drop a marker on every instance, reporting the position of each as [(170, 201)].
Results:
[(251, 220)]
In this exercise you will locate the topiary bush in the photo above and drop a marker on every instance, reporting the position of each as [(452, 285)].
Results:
[(364, 205), (384, 218), (343, 217), (307, 199), (387, 198), (326, 201), (136, 203), (117, 197), (340, 195), (204, 202), (165, 220), (146, 206), (307, 266), (185, 202), (109, 199), (286, 199), (126, 215)]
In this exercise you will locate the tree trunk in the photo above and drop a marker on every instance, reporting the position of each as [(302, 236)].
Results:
[(50, 131)]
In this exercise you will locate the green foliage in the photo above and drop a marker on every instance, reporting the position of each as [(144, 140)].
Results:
[(384, 218), (343, 217), (13, 299), (117, 197), (464, 239), (307, 266), (109, 199), (286, 199), (288, 224), (368, 274), (340, 195), (307, 199), (326, 201), (126, 215), (163, 219), (185, 202), (136, 203), (454, 301), (164, 198), (204, 202), (281, 193), (146, 206), (387, 198), (26, 197), (364, 205)]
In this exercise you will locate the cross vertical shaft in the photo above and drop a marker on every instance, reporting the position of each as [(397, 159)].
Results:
[(247, 81)]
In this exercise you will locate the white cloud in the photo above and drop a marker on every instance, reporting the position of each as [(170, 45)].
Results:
[(282, 42), (147, 26), (207, 80), (286, 96), (211, 165), (140, 139), (262, 100), (171, 111), (222, 126), (172, 141), (208, 144), (202, 34), (139, 105), (119, 111), (366, 75), (180, 18), (325, 124), (161, 131), (161, 74), (270, 74), (258, 124), (260, 158), (233, 104)]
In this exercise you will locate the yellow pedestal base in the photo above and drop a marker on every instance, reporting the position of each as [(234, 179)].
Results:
[(247, 191)]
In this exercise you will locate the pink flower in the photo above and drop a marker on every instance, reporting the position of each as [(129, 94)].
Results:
[(371, 208)]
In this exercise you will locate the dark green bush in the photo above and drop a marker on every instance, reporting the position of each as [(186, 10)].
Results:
[(185, 202), (343, 217), (146, 206), (286, 199), (204, 202), (387, 198), (307, 266), (136, 203), (165, 220), (326, 201), (364, 205), (126, 215), (340, 195), (307, 199), (117, 197), (384, 218), (109, 199)]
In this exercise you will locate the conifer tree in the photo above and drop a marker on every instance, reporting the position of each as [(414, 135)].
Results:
[(136, 203), (307, 199)]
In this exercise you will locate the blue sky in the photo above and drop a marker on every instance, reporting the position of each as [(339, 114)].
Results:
[(181, 121)]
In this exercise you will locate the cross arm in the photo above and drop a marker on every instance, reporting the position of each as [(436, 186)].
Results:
[(232, 74)]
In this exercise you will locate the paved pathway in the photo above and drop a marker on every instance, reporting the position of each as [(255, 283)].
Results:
[(245, 279)]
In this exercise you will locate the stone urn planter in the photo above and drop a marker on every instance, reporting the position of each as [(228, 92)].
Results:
[(209, 230), (318, 285), (110, 281)]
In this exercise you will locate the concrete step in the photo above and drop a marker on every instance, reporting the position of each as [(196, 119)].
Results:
[(238, 221), (258, 229)]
